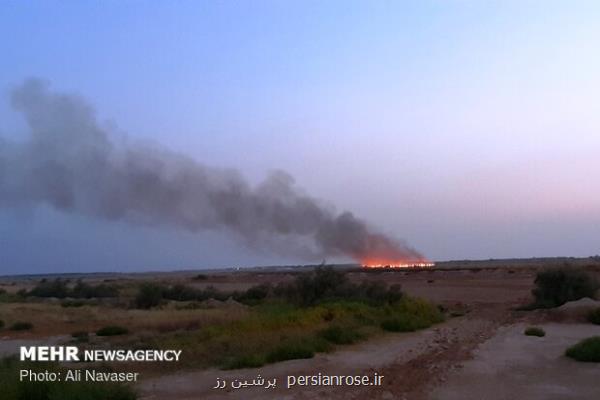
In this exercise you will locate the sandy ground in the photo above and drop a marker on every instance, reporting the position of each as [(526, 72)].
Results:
[(514, 366)]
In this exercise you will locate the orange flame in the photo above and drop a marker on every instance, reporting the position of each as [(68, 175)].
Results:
[(378, 263)]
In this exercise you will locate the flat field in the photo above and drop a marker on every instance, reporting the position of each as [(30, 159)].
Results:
[(450, 332)]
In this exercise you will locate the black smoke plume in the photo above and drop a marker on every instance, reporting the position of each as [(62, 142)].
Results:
[(71, 163)]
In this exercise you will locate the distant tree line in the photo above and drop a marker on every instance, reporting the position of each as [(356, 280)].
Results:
[(61, 289), (321, 285)]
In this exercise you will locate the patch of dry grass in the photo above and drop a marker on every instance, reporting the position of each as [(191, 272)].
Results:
[(52, 319)]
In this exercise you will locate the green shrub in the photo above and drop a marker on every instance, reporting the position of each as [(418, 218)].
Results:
[(182, 293), (112, 330), (149, 295), (244, 361), (56, 288), (587, 350), (535, 331), (72, 303), (594, 316), (401, 323), (255, 294), (556, 286), (340, 335), (7, 297), (328, 284), (60, 289), (409, 315), (1, 324), (290, 351), (21, 326), (85, 291)]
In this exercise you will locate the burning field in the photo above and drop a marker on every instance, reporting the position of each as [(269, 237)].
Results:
[(68, 148), (397, 264)]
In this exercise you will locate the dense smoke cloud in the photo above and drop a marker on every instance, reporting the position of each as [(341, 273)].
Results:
[(71, 163)]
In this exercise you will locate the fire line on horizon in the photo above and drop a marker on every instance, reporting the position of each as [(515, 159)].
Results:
[(419, 264)]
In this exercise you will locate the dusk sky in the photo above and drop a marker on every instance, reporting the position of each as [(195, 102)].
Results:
[(468, 129)]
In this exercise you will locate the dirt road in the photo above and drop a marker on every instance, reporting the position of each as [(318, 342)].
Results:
[(514, 366), (409, 362)]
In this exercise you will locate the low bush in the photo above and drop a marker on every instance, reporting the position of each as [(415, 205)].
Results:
[(21, 326), (587, 350), (297, 348), (193, 305), (182, 293), (291, 351), (594, 316), (72, 303), (324, 284), (113, 330), (328, 284), (59, 288), (412, 314), (409, 315), (149, 295), (535, 331), (1, 324), (83, 290), (244, 361), (556, 286), (254, 295), (8, 297), (341, 335), (401, 323)]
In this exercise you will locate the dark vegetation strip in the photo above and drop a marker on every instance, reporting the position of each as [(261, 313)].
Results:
[(314, 313), (324, 284), (60, 288)]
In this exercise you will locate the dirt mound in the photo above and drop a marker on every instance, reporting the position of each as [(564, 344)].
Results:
[(576, 310), (582, 304)]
